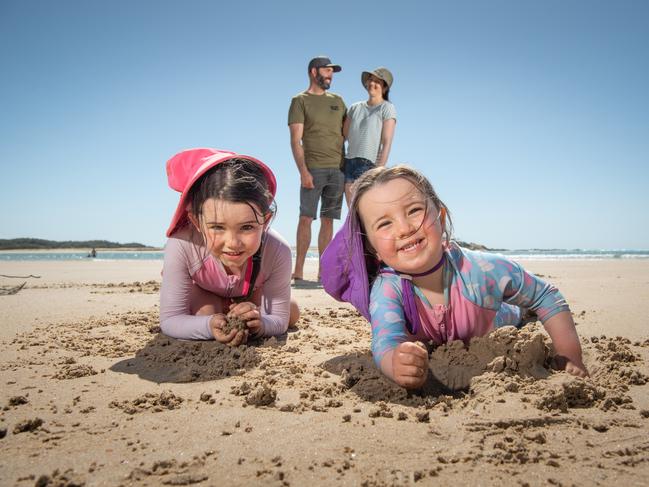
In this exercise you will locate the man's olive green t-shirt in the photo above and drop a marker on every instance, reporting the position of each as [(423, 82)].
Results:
[(322, 116)]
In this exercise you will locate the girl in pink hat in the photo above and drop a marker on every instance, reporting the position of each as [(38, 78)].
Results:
[(222, 260)]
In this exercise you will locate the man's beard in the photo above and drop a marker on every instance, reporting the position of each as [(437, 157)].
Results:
[(323, 82)]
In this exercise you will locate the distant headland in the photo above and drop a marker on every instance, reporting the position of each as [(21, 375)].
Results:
[(42, 244), (473, 246)]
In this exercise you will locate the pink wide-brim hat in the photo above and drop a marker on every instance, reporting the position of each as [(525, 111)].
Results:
[(186, 167)]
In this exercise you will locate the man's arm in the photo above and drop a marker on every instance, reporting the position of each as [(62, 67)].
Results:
[(297, 130)]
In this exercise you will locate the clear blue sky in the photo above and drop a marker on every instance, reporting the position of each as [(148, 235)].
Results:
[(531, 118)]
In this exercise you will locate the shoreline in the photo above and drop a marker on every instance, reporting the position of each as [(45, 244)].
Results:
[(312, 255), (73, 250)]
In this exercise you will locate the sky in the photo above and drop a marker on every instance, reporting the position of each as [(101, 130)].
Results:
[(530, 118)]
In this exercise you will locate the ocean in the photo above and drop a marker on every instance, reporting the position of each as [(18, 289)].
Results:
[(521, 254)]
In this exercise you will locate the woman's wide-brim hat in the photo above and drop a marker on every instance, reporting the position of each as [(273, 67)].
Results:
[(381, 73), (186, 167)]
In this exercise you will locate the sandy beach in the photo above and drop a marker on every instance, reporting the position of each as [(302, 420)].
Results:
[(93, 394)]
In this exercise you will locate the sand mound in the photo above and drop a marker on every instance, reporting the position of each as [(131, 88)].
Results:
[(258, 394), (156, 403), (504, 351), (166, 359), (74, 371), (574, 393), (506, 363)]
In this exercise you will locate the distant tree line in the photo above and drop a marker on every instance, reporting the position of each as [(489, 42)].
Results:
[(38, 243)]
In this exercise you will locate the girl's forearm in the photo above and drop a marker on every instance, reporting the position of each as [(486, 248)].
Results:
[(386, 364), (563, 333)]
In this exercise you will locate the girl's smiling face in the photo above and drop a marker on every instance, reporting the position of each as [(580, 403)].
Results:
[(232, 231), (402, 226)]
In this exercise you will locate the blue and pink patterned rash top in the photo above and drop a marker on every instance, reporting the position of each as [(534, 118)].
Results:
[(482, 292)]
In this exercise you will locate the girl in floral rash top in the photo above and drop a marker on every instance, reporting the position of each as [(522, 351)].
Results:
[(459, 293)]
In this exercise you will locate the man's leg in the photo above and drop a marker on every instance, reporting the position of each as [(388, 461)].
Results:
[(332, 202), (326, 233), (302, 242), (348, 193), (324, 236), (308, 210)]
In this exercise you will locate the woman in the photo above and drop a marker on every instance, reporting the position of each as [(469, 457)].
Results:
[(369, 128)]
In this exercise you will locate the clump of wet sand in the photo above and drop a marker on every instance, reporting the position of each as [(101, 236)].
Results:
[(68, 478), (149, 401), (234, 323), (257, 394), (75, 371)]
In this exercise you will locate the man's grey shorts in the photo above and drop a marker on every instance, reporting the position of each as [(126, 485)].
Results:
[(329, 185)]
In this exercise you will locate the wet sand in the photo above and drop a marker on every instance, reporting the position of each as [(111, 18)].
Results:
[(93, 394)]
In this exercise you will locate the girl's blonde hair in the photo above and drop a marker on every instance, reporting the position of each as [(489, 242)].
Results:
[(381, 175)]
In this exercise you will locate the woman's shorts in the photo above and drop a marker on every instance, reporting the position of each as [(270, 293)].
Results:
[(355, 167)]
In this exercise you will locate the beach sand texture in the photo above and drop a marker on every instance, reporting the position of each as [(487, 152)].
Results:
[(93, 394)]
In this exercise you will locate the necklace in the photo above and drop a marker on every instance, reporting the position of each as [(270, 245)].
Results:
[(429, 271)]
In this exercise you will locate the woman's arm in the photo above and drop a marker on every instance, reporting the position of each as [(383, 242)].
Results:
[(387, 134)]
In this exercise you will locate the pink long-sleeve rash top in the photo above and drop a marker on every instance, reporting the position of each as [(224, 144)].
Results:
[(187, 264)]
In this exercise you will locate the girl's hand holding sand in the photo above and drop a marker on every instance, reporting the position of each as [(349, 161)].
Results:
[(409, 365), (234, 338), (248, 312)]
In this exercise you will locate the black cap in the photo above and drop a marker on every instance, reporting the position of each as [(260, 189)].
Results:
[(323, 62)]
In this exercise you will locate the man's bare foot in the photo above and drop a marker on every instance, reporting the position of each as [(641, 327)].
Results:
[(297, 278)]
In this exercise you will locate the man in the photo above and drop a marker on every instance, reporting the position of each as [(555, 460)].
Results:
[(315, 121)]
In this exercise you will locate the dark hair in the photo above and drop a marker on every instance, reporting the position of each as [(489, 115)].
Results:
[(386, 88), (235, 181)]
